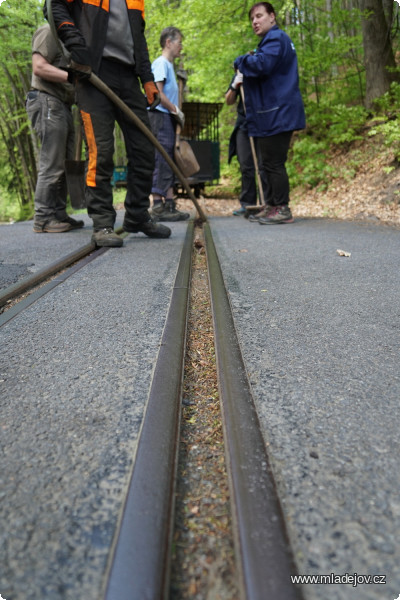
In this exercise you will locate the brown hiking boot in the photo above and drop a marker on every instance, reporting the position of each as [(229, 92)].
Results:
[(168, 212), (52, 226), (264, 212), (149, 228), (279, 214)]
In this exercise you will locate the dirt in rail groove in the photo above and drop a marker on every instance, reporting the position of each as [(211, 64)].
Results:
[(203, 564)]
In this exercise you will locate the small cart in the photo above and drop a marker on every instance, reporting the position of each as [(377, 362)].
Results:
[(202, 132)]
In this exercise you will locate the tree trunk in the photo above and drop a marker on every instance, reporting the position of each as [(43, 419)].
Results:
[(378, 52), (388, 9)]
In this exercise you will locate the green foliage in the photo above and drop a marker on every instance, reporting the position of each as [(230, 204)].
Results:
[(387, 120), (329, 52), (17, 169), (10, 208), (214, 35), (328, 126), (307, 164)]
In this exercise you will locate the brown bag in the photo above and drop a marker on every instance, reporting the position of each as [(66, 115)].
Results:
[(185, 157)]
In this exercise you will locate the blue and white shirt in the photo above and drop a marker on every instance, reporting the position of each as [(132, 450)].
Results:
[(163, 71)]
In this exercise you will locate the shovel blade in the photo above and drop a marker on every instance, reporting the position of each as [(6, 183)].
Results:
[(75, 173), (186, 159)]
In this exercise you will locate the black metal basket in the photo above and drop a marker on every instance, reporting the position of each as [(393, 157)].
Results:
[(202, 132)]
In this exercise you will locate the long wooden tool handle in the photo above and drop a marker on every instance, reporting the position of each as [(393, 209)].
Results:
[(253, 152), (102, 87)]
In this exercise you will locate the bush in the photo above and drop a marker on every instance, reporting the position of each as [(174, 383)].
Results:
[(387, 119), (327, 127)]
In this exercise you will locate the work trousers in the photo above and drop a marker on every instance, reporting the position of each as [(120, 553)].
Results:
[(163, 128), (53, 123), (248, 193), (98, 116), (273, 151)]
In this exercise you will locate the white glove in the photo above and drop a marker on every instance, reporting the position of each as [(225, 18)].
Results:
[(179, 116), (237, 81)]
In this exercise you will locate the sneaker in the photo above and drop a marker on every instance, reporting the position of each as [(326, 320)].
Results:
[(106, 237), (239, 212), (168, 212), (52, 226), (280, 214), (74, 223), (149, 228), (263, 213)]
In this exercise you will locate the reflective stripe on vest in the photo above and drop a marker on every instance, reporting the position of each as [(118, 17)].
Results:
[(92, 147), (136, 5), (105, 4)]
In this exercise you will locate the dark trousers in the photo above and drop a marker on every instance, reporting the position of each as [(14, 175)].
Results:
[(273, 151), (98, 116), (248, 193), (163, 128)]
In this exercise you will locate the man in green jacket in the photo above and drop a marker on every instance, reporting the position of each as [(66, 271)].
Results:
[(48, 104)]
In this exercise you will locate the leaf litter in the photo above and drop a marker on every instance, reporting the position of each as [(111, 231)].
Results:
[(203, 563)]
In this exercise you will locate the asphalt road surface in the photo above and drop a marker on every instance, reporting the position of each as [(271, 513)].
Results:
[(319, 333)]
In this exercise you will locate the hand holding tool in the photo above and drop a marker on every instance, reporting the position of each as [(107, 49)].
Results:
[(179, 116), (152, 94), (237, 81), (78, 71)]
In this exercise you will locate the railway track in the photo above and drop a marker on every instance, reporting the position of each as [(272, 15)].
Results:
[(139, 563)]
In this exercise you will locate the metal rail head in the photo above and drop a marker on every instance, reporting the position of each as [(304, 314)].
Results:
[(264, 556)]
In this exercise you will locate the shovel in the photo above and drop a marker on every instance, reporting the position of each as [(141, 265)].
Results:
[(183, 153), (75, 173)]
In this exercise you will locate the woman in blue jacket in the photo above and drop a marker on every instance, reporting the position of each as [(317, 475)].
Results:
[(274, 107)]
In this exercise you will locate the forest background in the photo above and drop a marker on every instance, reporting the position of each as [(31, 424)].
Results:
[(348, 55)]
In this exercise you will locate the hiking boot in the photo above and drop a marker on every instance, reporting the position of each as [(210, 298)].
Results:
[(279, 214), (149, 228), (157, 211), (107, 237), (175, 214), (262, 214), (52, 226), (168, 212), (74, 223)]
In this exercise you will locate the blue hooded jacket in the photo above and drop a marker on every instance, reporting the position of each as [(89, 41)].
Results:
[(271, 86)]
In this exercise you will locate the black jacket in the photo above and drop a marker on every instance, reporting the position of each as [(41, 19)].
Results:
[(83, 24)]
